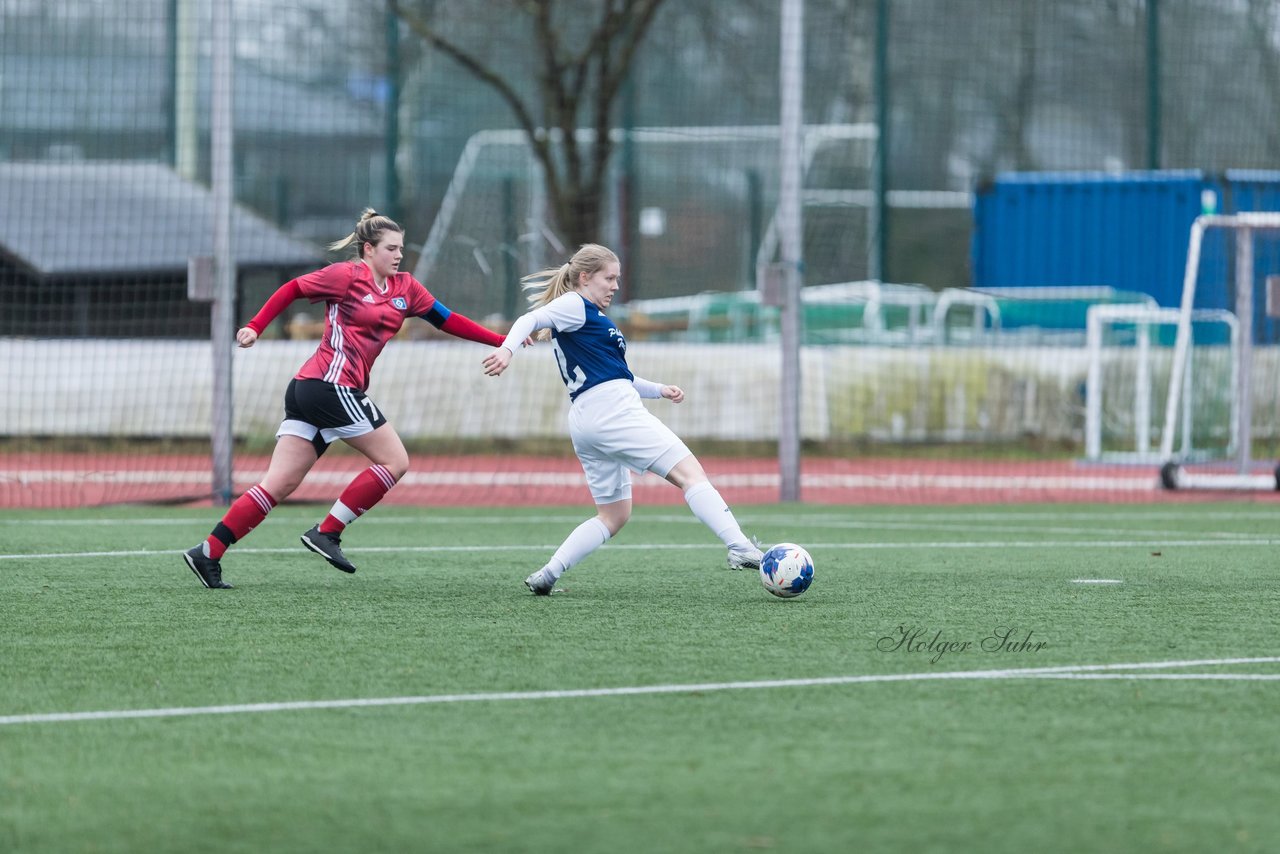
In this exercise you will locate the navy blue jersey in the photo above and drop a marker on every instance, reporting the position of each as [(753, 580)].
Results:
[(593, 354)]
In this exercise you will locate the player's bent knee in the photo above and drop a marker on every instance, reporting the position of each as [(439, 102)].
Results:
[(281, 490), (397, 465), (686, 473), (614, 518), (613, 524)]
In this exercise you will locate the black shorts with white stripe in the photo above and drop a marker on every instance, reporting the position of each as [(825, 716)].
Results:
[(324, 412)]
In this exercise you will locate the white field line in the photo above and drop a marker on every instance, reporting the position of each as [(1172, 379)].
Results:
[(1061, 672), (856, 517), (1169, 677), (1036, 544), (791, 525), (279, 551), (1009, 526), (428, 518)]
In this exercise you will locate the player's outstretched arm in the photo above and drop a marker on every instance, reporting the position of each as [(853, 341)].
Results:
[(276, 303), (650, 389), (497, 361), (523, 327), (459, 325)]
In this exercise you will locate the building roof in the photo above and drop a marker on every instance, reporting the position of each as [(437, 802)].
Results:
[(127, 94), (61, 219)]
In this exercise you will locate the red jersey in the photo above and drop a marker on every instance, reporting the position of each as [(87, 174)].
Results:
[(359, 319)]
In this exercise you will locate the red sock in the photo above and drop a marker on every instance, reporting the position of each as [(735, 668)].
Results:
[(360, 495), (245, 514)]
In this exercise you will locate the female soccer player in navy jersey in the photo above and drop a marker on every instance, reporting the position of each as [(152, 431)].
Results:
[(613, 434), (366, 302)]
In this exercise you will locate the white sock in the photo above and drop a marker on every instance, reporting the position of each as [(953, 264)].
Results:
[(343, 513), (709, 507), (586, 538)]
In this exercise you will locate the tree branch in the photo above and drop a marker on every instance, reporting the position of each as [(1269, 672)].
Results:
[(637, 26), (631, 30), (552, 68), (469, 62), (540, 143), (574, 173)]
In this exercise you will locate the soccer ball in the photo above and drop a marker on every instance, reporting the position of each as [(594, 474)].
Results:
[(786, 570)]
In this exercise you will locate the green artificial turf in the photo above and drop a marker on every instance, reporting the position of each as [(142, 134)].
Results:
[(467, 741)]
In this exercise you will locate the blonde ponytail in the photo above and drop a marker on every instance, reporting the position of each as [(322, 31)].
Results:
[(369, 229), (545, 285), (548, 284)]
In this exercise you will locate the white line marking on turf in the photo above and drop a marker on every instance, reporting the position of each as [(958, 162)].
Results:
[(993, 544), (1189, 677), (917, 523), (367, 520), (258, 551), (866, 517), (1060, 672), (1096, 581)]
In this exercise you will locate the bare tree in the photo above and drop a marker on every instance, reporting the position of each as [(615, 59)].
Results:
[(576, 88)]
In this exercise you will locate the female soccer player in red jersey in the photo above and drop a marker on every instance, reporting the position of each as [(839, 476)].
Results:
[(367, 301)]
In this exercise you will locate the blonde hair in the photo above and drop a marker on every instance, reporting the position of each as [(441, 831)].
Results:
[(545, 285), (369, 229)]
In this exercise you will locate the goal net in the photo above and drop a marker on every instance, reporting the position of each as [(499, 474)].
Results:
[(716, 182), (1130, 353), (1230, 258)]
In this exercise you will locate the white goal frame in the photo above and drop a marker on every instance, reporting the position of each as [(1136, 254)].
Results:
[(1143, 317), (815, 136), (541, 240), (1244, 225)]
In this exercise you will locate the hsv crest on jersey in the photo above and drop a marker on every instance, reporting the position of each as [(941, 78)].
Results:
[(359, 321)]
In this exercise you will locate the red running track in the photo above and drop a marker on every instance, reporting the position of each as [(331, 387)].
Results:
[(84, 480)]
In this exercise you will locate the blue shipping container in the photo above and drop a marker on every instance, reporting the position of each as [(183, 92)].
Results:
[(1128, 231)]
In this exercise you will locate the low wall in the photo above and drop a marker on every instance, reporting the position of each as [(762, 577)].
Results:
[(437, 389)]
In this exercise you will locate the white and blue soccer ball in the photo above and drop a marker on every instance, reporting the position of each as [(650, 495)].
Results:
[(786, 570)]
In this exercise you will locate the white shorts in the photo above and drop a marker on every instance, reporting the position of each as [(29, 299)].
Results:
[(614, 435)]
